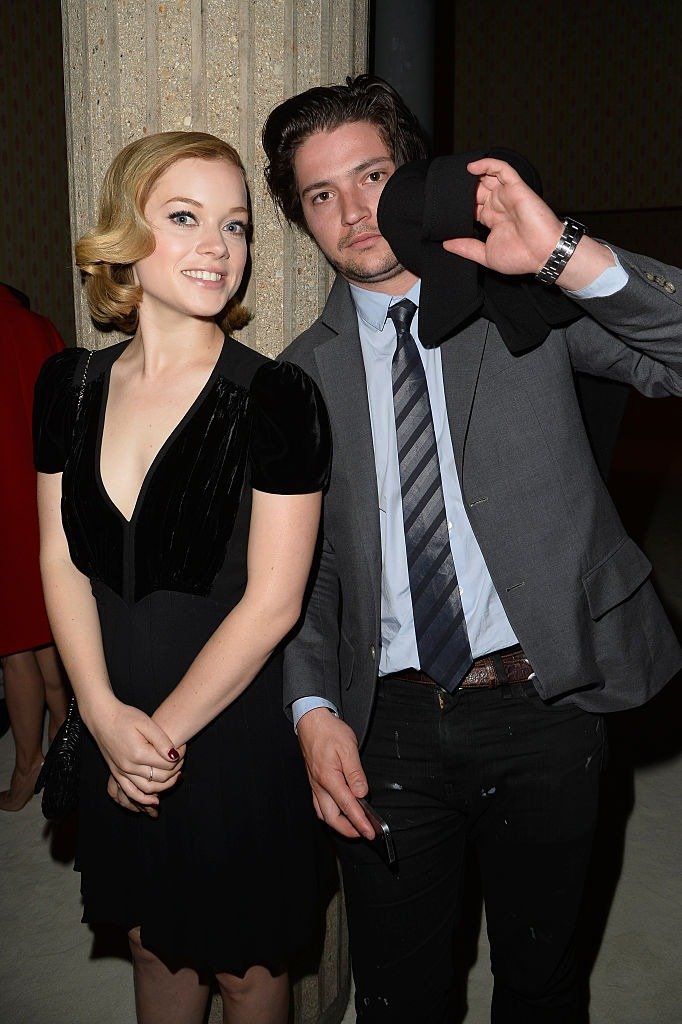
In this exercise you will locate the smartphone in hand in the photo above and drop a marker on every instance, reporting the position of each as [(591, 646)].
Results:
[(383, 840)]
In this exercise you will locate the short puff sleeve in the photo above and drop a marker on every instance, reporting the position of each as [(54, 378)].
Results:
[(290, 432), (54, 410)]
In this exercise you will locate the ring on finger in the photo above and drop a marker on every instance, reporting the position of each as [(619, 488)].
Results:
[(151, 774)]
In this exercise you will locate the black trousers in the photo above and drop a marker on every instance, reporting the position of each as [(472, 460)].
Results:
[(519, 780)]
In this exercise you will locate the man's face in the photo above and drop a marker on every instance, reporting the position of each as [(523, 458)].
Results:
[(340, 175)]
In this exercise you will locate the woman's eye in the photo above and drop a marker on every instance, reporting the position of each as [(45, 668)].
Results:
[(183, 218), (375, 175), (235, 227)]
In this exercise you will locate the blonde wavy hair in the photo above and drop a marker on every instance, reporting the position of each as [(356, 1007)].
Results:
[(121, 237)]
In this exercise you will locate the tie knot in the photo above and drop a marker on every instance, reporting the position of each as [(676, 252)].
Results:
[(401, 314)]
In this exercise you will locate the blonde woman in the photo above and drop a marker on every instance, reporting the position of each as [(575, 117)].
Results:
[(180, 476)]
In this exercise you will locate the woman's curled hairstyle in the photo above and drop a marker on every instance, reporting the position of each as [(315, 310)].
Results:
[(121, 237)]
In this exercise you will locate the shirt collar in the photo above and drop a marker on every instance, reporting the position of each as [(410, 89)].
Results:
[(372, 307)]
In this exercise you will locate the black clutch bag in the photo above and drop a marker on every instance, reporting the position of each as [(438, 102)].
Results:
[(60, 774)]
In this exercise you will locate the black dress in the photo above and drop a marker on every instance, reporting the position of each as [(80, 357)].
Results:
[(226, 877)]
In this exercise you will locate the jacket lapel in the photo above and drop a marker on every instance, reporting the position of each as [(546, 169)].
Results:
[(342, 373), (461, 357)]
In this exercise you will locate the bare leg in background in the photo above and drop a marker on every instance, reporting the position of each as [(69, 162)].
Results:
[(31, 678)]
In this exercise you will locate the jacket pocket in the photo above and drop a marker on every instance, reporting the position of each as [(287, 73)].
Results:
[(615, 577)]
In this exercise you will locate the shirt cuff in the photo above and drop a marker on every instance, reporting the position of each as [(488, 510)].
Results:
[(303, 705), (608, 283)]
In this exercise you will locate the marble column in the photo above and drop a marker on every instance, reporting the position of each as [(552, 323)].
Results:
[(138, 66)]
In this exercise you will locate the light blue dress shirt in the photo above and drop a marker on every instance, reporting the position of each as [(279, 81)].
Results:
[(486, 621)]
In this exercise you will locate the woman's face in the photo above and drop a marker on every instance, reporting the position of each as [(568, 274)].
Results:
[(197, 211)]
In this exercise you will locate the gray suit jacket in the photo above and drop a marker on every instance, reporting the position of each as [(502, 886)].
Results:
[(575, 587)]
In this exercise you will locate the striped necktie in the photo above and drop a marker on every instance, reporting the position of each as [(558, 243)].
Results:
[(442, 640)]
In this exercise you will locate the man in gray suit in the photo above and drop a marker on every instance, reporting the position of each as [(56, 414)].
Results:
[(476, 604)]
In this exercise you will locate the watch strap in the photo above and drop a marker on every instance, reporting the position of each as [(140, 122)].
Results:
[(562, 252)]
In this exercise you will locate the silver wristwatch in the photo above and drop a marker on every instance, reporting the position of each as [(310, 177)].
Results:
[(562, 252)]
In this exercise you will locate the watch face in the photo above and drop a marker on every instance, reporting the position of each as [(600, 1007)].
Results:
[(576, 225)]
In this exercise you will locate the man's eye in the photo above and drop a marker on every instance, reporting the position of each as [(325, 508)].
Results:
[(376, 175), (321, 197)]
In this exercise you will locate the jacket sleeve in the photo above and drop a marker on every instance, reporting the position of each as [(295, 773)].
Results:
[(634, 335), (311, 658)]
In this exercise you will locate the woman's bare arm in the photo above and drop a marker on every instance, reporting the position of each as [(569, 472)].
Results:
[(129, 740), (281, 543)]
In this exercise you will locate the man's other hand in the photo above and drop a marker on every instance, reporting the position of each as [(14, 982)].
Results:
[(523, 230), (330, 749)]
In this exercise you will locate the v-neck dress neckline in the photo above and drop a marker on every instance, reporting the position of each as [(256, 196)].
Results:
[(161, 453), (185, 512)]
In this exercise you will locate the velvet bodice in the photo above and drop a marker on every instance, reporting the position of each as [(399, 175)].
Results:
[(256, 422)]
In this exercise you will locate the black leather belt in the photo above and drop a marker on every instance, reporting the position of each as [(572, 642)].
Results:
[(487, 673)]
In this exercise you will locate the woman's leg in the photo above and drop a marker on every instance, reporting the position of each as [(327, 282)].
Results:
[(24, 693), (55, 690), (257, 998), (163, 996)]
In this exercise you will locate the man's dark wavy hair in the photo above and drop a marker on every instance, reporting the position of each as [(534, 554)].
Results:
[(365, 98)]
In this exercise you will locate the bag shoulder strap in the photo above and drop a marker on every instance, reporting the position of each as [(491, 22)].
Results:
[(85, 363)]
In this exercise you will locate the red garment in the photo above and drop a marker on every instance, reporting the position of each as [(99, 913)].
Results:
[(26, 341)]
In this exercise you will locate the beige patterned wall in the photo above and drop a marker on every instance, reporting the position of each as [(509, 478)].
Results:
[(140, 66), (590, 91), (35, 251)]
